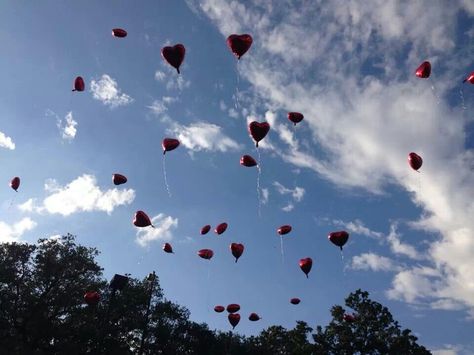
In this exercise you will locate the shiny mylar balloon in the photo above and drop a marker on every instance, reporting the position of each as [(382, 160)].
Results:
[(206, 254), (119, 179), (338, 238), (119, 32), (424, 70), (174, 55), (141, 219), (221, 228), (239, 44), (234, 319), (79, 84), (349, 318), (248, 161), (205, 229), (295, 117), (258, 131), (284, 229), (253, 317), (415, 161), (295, 300), (233, 307), (169, 144), (237, 250), (469, 78), (305, 265), (91, 298), (15, 183), (167, 248), (219, 309)]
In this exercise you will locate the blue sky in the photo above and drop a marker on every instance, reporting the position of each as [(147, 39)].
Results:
[(348, 67)]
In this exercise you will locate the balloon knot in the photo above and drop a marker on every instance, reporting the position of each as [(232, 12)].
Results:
[(177, 69), (164, 152)]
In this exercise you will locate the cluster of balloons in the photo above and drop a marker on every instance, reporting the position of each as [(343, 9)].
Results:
[(234, 317)]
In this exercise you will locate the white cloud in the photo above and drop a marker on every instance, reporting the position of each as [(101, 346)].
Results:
[(6, 142), (164, 225), (177, 83), (106, 90), (297, 193), (374, 262), (350, 72), (13, 233), (358, 227), (67, 128), (204, 136), (398, 247), (289, 207), (80, 195), (265, 195), (160, 76)]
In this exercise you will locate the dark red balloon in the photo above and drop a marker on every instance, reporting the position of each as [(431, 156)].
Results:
[(169, 144), (424, 70), (295, 117), (415, 161), (234, 319), (167, 248), (248, 161), (295, 300), (205, 229), (305, 265), (141, 219), (119, 32), (206, 253), (219, 309), (339, 238), (258, 131), (349, 318), (253, 317), (174, 55), (221, 228), (15, 183), (79, 84), (470, 78), (284, 229), (233, 307), (91, 298), (119, 179), (239, 44), (237, 250)]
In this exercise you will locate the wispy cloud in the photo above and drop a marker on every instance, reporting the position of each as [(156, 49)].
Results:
[(374, 262), (12, 233), (80, 195), (67, 127), (6, 142), (164, 226), (106, 90)]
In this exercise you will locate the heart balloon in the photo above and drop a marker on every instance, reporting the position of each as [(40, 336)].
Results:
[(79, 84), (339, 238), (237, 250), (219, 309), (91, 298), (119, 179), (258, 130), (253, 317), (305, 265), (141, 219), (119, 32), (295, 300), (415, 161), (169, 144), (221, 228), (470, 78), (174, 55), (15, 183), (284, 229), (167, 248), (349, 318), (248, 161), (424, 70), (206, 254), (295, 117), (234, 319), (233, 307), (239, 44), (205, 229)]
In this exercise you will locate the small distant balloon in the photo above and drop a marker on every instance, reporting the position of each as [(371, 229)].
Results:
[(349, 318), (338, 238), (119, 32), (253, 317), (237, 250), (258, 131), (221, 228), (469, 78), (239, 44), (424, 70), (79, 84), (167, 248), (206, 254), (415, 161), (174, 55), (305, 265), (92, 298), (119, 179), (295, 300), (15, 183), (248, 161), (295, 117), (141, 219), (219, 309), (284, 229), (169, 144), (234, 319), (205, 229), (233, 307)]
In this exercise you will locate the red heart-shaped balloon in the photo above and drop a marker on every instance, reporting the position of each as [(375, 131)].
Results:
[(221, 228), (258, 130), (295, 117), (233, 307), (284, 229), (237, 250), (305, 265), (248, 161), (169, 144), (206, 253), (239, 44), (79, 84), (253, 317), (174, 55), (119, 32), (424, 70), (119, 179), (91, 298), (338, 238), (15, 183), (415, 161), (205, 229), (234, 319), (349, 318), (141, 219), (470, 78), (167, 248), (219, 309), (295, 300)]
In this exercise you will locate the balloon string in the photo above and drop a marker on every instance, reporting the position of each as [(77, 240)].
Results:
[(208, 301), (165, 177), (438, 100), (463, 103), (259, 169), (237, 92), (13, 200), (281, 248)]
